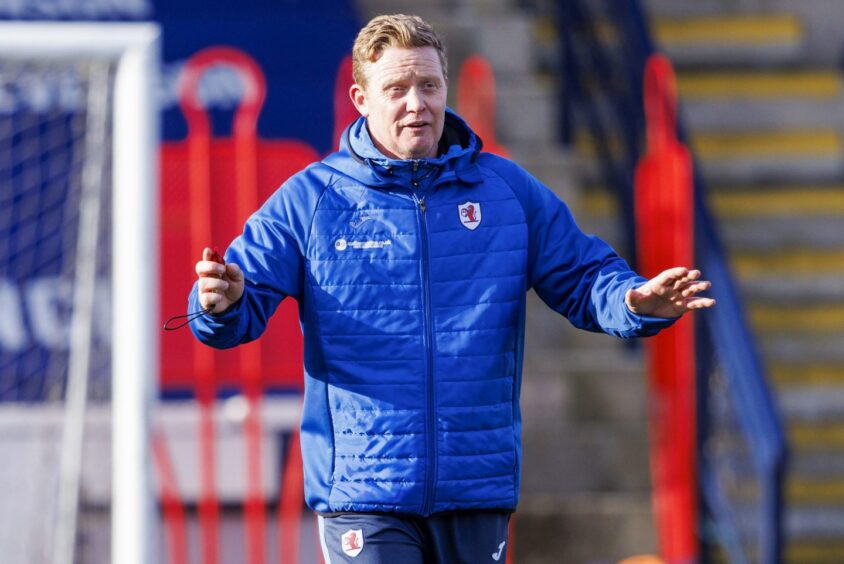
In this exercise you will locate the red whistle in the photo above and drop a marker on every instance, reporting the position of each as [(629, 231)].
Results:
[(216, 256)]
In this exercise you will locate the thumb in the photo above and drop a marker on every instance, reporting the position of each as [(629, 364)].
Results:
[(233, 272), (207, 253)]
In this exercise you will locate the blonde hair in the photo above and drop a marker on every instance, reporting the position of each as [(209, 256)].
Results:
[(396, 30)]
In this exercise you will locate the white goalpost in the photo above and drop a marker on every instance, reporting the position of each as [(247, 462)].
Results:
[(123, 60)]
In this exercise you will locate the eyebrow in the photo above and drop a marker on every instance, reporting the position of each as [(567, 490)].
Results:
[(405, 77)]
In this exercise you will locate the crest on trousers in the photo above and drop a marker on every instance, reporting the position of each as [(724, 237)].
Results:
[(470, 215), (352, 542)]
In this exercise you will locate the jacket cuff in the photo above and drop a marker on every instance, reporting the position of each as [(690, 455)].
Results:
[(649, 325), (645, 325), (210, 328)]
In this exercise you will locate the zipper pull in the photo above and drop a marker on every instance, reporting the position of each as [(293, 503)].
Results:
[(415, 165), (422, 205)]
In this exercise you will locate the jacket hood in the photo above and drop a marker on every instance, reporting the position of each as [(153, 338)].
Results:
[(359, 158)]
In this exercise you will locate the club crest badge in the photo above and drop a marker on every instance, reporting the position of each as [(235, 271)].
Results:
[(470, 215), (352, 542)]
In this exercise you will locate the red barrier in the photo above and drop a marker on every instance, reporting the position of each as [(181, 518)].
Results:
[(247, 201), (664, 223), (476, 101), (210, 186), (175, 524)]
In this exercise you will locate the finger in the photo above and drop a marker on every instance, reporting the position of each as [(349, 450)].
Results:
[(207, 253), (210, 301), (668, 278), (210, 268), (696, 288), (700, 303), (689, 277), (212, 285), (209, 296), (233, 272)]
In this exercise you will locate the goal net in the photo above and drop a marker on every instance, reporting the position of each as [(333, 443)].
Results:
[(78, 282)]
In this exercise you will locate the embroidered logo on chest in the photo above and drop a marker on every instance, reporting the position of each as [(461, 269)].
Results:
[(470, 215)]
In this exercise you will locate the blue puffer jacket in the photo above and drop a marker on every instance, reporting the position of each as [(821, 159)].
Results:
[(411, 279)]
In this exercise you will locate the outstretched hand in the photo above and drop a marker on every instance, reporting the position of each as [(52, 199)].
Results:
[(671, 293), (220, 285)]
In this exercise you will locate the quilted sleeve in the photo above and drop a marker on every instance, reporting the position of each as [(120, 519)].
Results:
[(578, 275), (270, 252)]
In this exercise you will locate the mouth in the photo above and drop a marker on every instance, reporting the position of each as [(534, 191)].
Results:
[(416, 125)]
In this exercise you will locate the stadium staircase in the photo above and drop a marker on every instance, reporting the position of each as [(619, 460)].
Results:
[(763, 101), (586, 484)]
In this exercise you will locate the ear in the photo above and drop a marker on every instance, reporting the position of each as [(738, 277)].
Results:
[(358, 95)]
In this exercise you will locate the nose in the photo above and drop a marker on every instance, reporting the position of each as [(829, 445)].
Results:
[(415, 101)]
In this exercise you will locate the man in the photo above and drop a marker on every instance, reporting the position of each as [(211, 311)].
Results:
[(410, 252)]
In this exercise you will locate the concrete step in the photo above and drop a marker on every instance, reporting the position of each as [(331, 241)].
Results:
[(760, 85), (795, 349), (811, 436), (808, 374), (797, 319), (816, 466), (812, 533), (740, 202), (527, 110), (824, 551), (768, 220), (506, 39), (772, 155), (673, 8), (746, 157), (730, 40), (758, 100), (796, 288), (817, 261), (557, 168), (584, 397), (812, 404), (821, 20), (580, 458), (749, 114), (775, 201), (584, 528), (783, 233)]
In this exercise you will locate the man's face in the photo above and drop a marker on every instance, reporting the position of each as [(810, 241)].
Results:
[(404, 102)]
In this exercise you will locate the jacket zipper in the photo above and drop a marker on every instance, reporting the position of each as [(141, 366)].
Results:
[(430, 415)]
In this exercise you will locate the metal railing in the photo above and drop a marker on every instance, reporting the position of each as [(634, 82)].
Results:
[(742, 450)]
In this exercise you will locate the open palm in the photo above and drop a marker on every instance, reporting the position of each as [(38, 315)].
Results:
[(671, 293)]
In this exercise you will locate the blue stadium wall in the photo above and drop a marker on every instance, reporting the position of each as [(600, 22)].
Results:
[(298, 43)]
